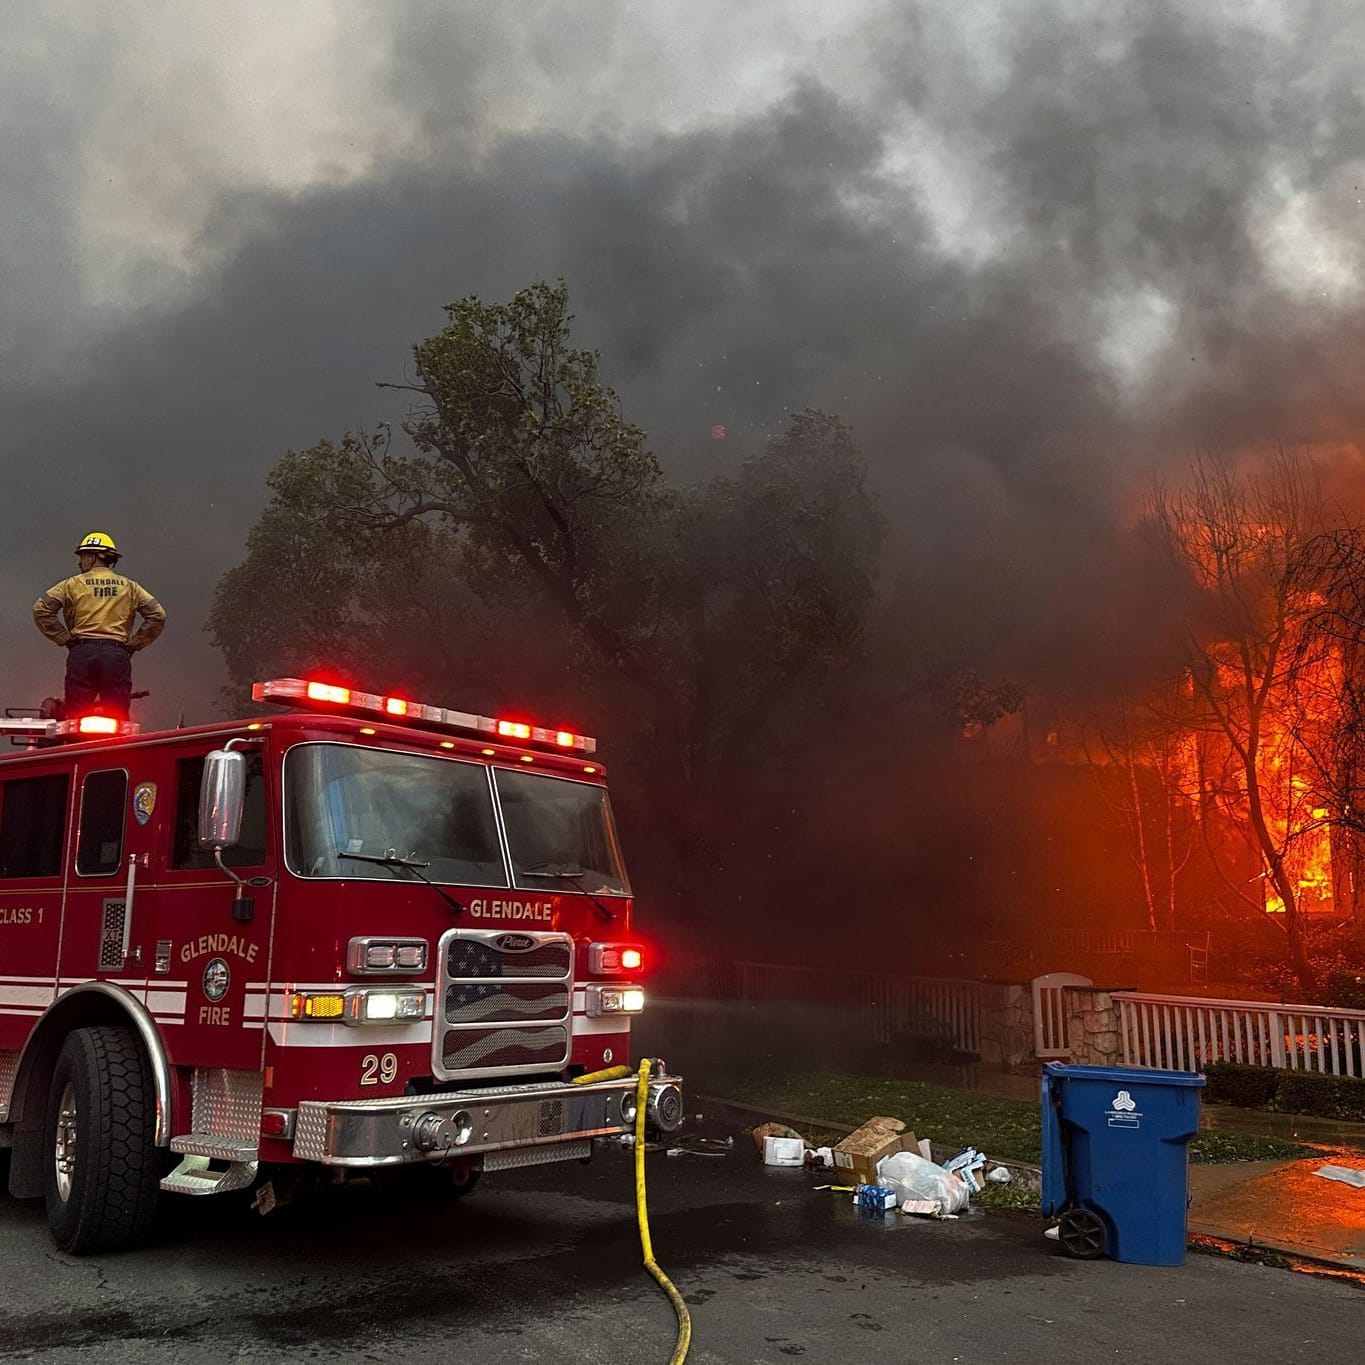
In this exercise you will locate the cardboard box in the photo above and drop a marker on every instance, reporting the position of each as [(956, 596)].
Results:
[(856, 1157)]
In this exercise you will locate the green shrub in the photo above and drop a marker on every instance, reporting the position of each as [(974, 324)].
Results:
[(1289, 1092), (1328, 1097), (1249, 1087)]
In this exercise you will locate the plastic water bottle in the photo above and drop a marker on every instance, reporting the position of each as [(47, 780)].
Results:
[(878, 1198)]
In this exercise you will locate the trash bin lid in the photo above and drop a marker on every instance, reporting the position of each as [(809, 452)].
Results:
[(1123, 1075)]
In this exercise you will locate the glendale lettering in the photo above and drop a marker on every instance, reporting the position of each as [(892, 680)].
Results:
[(541, 911), (219, 943)]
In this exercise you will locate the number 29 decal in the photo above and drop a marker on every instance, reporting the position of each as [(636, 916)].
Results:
[(377, 1070)]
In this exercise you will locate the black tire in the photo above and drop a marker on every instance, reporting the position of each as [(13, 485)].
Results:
[(1082, 1234), (101, 1162)]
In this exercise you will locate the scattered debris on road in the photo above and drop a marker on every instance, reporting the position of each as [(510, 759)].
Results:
[(857, 1156), (1345, 1174)]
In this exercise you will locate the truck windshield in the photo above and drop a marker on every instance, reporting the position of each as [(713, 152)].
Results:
[(560, 833), (341, 799)]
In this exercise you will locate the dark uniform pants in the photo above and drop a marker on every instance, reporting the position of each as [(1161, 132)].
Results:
[(98, 672)]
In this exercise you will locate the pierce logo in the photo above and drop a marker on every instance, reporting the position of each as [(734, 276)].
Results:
[(1124, 1102), (514, 943)]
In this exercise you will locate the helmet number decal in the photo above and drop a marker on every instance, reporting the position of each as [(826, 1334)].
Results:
[(377, 1070)]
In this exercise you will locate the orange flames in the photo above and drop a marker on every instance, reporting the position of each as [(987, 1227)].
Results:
[(1292, 710)]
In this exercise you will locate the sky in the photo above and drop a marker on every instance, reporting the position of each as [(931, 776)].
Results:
[(1031, 253)]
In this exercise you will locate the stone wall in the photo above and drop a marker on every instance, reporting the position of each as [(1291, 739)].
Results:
[(1007, 1026), (1093, 1027)]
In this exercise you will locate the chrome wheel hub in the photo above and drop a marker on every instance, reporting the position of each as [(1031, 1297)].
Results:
[(64, 1147)]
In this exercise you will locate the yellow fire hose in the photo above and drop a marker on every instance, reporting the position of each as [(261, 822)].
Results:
[(615, 1073)]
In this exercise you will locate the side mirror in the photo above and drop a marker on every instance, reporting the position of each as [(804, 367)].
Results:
[(222, 797)]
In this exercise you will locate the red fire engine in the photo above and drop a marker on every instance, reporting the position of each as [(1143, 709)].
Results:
[(367, 933)]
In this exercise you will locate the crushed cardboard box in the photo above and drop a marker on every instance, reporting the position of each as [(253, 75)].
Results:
[(858, 1154)]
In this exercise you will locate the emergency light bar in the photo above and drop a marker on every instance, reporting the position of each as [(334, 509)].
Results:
[(78, 727), (322, 696)]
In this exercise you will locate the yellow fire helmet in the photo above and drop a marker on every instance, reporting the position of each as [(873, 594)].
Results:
[(98, 543)]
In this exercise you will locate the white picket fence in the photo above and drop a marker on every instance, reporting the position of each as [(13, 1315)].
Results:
[(1187, 1032), (888, 1004)]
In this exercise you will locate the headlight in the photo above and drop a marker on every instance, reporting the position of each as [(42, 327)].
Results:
[(358, 1006), (614, 1000), (371, 955), (382, 1007)]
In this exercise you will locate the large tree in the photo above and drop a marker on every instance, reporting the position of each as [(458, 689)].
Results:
[(1237, 542), (523, 543)]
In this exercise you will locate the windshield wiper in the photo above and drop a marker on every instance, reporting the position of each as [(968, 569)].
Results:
[(569, 872), (411, 864)]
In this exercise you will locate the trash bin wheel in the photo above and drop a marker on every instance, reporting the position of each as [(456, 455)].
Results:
[(1082, 1234)]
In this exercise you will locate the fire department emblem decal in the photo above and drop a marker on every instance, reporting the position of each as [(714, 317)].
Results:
[(144, 801), (216, 978)]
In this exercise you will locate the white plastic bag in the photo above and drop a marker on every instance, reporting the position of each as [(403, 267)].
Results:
[(912, 1177)]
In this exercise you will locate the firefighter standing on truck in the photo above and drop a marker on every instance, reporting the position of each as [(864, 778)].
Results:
[(99, 606)]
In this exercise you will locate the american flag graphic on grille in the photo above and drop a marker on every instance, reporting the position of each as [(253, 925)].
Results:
[(482, 958), (506, 999), (524, 1049)]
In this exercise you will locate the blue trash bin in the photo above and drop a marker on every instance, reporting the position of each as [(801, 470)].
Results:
[(1116, 1159)]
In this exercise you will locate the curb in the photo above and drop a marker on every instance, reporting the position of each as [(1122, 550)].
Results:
[(1211, 1242)]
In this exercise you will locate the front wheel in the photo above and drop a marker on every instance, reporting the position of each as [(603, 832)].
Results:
[(102, 1169)]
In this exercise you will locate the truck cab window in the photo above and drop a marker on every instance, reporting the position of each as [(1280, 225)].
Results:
[(33, 826), (104, 798), (560, 834), (346, 807), (250, 849)]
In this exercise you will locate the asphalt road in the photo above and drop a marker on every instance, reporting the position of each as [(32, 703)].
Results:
[(543, 1265)]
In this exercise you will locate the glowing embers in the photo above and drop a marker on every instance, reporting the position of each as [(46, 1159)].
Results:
[(315, 692)]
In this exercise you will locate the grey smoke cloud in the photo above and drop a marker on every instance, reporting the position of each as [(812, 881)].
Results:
[(1028, 256)]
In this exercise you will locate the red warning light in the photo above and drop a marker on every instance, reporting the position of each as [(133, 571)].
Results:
[(395, 706), (98, 725), (318, 691), (632, 959), (565, 738), (514, 729)]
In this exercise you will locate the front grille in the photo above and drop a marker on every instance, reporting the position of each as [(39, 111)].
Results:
[(488, 1002), (506, 999)]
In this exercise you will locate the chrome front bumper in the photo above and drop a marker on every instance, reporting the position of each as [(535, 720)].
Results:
[(471, 1123)]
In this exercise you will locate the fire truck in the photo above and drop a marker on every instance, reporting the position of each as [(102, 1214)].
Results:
[(366, 933)]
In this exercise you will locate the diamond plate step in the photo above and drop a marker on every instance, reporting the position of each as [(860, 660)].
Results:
[(195, 1176), (538, 1156), (214, 1146)]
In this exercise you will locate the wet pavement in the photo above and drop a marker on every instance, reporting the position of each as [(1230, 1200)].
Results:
[(543, 1265), (1284, 1206)]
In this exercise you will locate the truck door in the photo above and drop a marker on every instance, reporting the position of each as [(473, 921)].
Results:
[(109, 851), (34, 820), (187, 916)]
